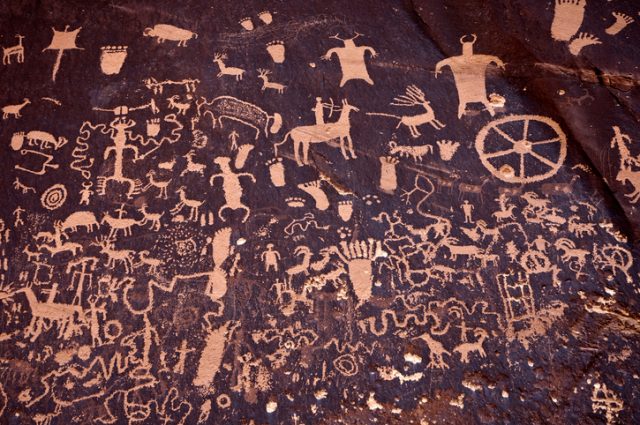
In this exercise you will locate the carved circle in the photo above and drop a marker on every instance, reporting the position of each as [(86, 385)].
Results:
[(520, 148), (346, 364), (223, 401), (54, 197)]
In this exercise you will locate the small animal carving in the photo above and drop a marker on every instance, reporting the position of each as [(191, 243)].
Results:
[(168, 32), (192, 166), (14, 110), (219, 58), (263, 74), (467, 348), (17, 51), (33, 137), (180, 106), (415, 152)]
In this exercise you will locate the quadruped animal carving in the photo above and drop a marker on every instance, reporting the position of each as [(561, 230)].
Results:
[(304, 136), (231, 108), (169, 32)]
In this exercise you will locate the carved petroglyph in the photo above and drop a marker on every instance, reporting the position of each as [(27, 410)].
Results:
[(522, 162), (304, 136), (469, 75), (414, 97), (61, 41), (352, 59), (16, 50), (163, 32)]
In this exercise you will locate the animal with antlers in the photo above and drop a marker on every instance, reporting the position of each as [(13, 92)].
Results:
[(219, 58), (303, 136), (192, 204), (17, 51), (124, 256), (413, 97), (263, 74)]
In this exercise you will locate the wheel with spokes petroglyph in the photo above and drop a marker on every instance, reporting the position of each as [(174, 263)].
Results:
[(522, 148)]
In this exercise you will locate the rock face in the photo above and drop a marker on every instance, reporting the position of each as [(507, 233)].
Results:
[(352, 212)]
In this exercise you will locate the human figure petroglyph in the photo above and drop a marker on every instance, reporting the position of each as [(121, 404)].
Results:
[(629, 170), (231, 187), (80, 274), (319, 107), (506, 210), (182, 356), (414, 97), (120, 133), (85, 193), (469, 74), (467, 209), (352, 59), (270, 257), (304, 136), (61, 41), (17, 216)]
